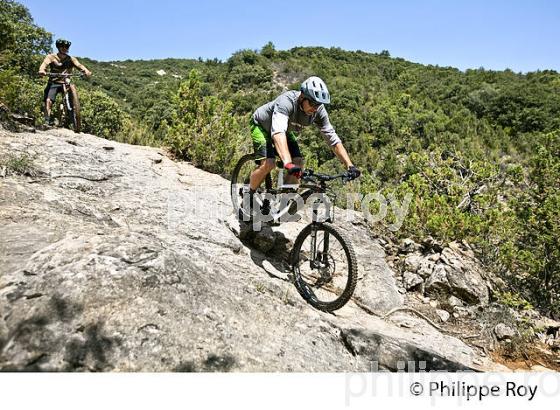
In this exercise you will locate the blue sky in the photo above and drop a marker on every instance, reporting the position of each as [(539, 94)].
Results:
[(520, 35)]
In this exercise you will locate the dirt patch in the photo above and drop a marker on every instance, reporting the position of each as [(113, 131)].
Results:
[(526, 357)]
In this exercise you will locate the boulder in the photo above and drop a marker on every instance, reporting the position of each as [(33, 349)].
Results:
[(264, 239), (411, 280), (454, 301), (443, 315), (408, 246), (429, 244), (426, 268), (438, 283), (413, 262), (458, 273), (502, 331)]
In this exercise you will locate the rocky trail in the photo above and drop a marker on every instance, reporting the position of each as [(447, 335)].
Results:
[(115, 258)]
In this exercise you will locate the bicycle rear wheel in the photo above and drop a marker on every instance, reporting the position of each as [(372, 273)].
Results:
[(324, 266), (239, 185)]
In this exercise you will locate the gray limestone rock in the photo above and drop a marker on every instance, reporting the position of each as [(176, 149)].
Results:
[(502, 331), (411, 280), (111, 261), (458, 274)]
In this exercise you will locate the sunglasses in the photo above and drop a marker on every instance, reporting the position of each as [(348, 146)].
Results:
[(312, 103)]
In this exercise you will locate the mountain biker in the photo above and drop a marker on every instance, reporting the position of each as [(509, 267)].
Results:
[(59, 63), (274, 128)]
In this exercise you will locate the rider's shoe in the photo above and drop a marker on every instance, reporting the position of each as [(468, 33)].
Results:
[(49, 121), (45, 127)]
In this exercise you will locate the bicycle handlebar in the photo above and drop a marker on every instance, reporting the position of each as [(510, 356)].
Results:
[(64, 75)]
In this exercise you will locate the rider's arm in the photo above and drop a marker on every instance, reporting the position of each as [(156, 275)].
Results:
[(281, 146), (44, 65), (324, 124), (342, 155), (278, 128), (331, 137), (80, 66)]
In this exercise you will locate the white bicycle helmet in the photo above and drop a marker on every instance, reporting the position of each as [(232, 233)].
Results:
[(316, 90)]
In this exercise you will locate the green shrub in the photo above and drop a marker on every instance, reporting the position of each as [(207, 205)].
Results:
[(17, 164), (203, 130), (101, 115), (532, 254), (513, 300), (21, 95)]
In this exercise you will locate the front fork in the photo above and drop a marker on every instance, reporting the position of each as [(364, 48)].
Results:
[(65, 105), (67, 99), (319, 258)]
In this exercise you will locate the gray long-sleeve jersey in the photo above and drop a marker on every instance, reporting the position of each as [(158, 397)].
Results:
[(284, 115)]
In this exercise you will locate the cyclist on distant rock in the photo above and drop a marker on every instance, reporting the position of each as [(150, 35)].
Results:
[(274, 128), (59, 63)]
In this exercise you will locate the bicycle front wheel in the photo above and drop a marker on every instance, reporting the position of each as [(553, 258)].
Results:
[(75, 114), (324, 266)]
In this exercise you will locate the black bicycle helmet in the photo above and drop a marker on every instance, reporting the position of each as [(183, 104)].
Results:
[(62, 43)]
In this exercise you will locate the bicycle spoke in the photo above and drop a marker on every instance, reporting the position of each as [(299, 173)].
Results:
[(324, 267)]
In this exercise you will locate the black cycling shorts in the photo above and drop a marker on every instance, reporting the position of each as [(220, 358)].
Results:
[(51, 90)]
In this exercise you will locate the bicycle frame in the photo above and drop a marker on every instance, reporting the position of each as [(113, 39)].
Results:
[(279, 202), (66, 95), (66, 104)]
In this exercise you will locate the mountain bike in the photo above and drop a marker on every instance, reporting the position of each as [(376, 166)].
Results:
[(323, 262), (69, 114)]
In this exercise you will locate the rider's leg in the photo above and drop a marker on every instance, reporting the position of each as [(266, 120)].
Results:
[(46, 100), (259, 174), (48, 110), (257, 177), (50, 95), (262, 146)]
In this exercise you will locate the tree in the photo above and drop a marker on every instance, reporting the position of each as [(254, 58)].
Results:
[(268, 50), (534, 254), (203, 130), (22, 41)]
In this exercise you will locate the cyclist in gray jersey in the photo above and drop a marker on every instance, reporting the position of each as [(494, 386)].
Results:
[(274, 128)]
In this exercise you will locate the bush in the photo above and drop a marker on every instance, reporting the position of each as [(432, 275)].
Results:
[(203, 130), (21, 38), (532, 254), (21, 94), (21, 164), (101, 115)]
